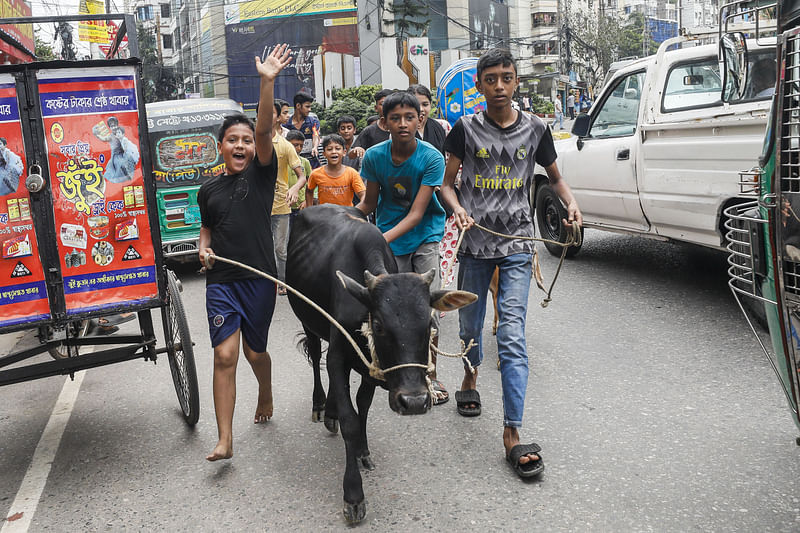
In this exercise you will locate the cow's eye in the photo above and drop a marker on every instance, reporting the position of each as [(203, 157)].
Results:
[(377, 327)]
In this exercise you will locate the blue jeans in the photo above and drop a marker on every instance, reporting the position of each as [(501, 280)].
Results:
[(280, 237), (559, 119), (474, 275)]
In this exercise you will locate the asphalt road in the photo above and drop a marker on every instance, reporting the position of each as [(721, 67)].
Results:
[(650, 398)]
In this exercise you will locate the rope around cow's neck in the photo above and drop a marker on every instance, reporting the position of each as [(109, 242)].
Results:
[(574, 238), (375, 371)]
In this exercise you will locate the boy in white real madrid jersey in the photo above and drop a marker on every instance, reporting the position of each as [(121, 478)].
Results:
[(498, 150)]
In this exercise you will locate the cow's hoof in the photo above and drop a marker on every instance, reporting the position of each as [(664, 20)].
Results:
[(355, 512), (366, 462), (316, 416), (331, 424)]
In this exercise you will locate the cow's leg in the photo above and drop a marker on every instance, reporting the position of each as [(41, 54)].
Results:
[(355, 507), (366, 392), (314, 352)]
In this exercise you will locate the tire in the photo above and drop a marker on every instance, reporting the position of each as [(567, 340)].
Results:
[(74, 329), (549, 213), (180, 352)]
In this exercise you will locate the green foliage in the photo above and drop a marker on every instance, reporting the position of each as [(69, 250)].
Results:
[(362, 93), (409, 18), (42, 50), (631, 38), (160, 82), (343, 106), (358, 102), (540, 105)]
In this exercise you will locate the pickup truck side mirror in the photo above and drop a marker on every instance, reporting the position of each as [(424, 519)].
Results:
[(580, 127)]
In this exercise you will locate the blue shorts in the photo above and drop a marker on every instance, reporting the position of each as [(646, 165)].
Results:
[(247, 305)]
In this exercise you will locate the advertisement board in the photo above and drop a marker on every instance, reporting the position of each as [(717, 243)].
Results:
[(488, 21), (91, 126), (23, 293), (254, 28), (457, 94)]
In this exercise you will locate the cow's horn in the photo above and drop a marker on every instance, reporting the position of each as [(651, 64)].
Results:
[(428, 276), (370, 280)]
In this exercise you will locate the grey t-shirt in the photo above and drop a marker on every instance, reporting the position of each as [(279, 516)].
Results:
[(496, 176)]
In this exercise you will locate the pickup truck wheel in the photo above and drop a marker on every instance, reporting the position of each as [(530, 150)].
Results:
[(549, 214)]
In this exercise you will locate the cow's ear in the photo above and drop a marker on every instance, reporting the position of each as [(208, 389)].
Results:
[(451, 300), (358, 291)]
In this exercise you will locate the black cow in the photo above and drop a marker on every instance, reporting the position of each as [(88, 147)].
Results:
[(331, 247)]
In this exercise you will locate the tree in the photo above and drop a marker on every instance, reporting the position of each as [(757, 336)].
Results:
[(631, 38), (611, 38), (409, 18), (43, 50), (159, 82)]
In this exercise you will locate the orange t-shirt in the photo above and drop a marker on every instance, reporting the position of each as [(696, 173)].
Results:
[(339, 190)]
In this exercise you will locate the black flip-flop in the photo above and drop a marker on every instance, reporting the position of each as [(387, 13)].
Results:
[(465, 398), (529, 469)]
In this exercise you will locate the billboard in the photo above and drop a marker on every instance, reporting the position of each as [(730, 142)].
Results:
[(253, 28), (489, 24), (91, 126), (23, 292)]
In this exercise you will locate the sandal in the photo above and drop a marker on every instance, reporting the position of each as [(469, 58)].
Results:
[(114, 320), (440, 394), (468, 402), (529, 469)]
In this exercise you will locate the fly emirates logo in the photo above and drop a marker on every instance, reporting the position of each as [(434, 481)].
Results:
[(501, 180)]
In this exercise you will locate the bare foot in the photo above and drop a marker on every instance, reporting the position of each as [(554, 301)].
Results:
[(511, 439), (221, 451), (264, 407)]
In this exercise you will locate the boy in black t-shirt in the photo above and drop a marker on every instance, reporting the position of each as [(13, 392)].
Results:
[(234, 210), (374, 133)]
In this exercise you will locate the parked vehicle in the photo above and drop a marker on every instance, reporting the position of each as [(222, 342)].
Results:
[(659, 153), (183, 144), (764, 233)]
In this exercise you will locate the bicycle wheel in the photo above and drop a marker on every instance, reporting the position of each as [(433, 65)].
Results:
[(180, 352), (76, 328)]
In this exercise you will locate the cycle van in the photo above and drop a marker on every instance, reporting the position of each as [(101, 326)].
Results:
[(183, 144)]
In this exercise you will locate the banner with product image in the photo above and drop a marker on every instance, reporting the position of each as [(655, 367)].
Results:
[(23, 293), (91, 126)]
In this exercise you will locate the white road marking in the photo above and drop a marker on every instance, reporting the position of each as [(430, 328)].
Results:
[(30, 491)]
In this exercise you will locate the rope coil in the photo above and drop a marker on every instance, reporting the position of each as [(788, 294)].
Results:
[(574, 238)]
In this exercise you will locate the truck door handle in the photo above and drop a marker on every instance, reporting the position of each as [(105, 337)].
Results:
[(623, 154)]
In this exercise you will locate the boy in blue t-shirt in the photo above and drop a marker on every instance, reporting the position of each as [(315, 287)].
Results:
[(401, 175)]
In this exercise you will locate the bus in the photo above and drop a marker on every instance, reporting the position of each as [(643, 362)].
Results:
[(183, 147)]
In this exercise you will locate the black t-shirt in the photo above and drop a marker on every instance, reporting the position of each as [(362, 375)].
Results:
[(434, 133), (370, 136), (236, 208)]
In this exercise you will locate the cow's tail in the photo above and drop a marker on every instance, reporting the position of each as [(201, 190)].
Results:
[(302, 347)]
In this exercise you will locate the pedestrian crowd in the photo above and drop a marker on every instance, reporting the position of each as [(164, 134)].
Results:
[(422, 181)]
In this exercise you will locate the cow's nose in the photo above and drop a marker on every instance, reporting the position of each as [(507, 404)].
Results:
[(413, 404)]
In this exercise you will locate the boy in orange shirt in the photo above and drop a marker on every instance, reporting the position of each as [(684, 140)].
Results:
[(337, 183)]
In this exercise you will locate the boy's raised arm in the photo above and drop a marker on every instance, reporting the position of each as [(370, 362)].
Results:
[(268, 70)]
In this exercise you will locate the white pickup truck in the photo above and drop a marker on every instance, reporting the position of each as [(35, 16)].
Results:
[(659, 154)]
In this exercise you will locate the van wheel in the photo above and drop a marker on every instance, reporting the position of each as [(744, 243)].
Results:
[(549, 214)]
